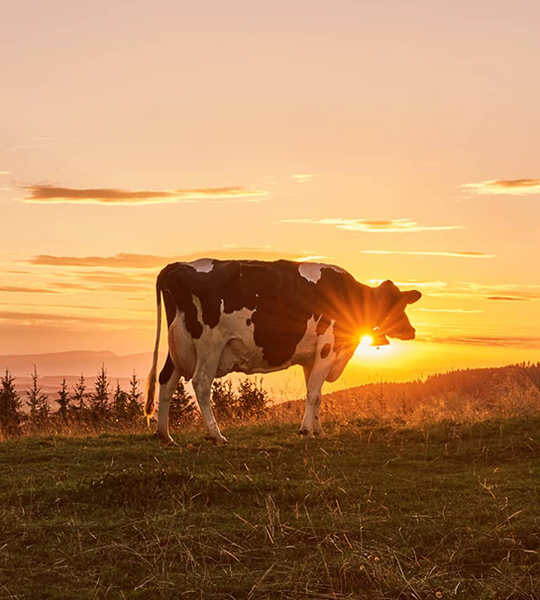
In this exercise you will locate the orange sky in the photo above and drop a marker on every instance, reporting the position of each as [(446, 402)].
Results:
[(399, 140)]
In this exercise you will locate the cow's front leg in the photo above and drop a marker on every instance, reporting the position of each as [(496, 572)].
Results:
[(314, 377), (317, 427), (202, 384)]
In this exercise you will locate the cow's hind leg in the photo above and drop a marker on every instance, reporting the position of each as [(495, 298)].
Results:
[(168, 380), (205, 372)]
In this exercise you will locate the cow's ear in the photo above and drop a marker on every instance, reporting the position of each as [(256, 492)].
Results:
[(411, 296), (387, 285), (387, 290)]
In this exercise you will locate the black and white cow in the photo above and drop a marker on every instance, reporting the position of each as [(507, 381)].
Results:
[(253, 316)]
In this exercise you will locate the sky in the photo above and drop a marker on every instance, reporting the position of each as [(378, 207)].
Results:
[(399, 140)]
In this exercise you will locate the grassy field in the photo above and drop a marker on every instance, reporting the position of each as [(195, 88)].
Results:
[(371, 511)]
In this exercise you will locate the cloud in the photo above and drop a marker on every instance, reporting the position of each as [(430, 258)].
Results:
[(24, 147), (92, 307), (450, 310), (5, 173), (467, 289), (488, 341), (36, 317), (119, 261), (412, 283), (116, 278), (151, 261), (501, 291), (508, 298), (109, 287), (454, 254), (49, 194), (26, 290), (514, 187), (380, 226), (304, 177)]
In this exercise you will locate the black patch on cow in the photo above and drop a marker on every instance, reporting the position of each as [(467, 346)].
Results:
[(281, 299), (167, 370), (325, 350)]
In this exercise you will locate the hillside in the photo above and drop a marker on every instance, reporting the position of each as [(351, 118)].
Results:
[(509, 390)]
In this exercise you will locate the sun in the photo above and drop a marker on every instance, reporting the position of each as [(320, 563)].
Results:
[(366, 350), (365, 347), (366, 341)]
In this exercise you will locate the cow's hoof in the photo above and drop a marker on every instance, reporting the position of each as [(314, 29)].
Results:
[(165, 440), (218, 441)]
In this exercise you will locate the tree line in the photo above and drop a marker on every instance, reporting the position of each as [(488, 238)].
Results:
[(105, 405)]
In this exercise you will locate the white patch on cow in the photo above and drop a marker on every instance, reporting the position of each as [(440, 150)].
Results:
[(230, 345), (198, 308), (181, 346), (203, 265), (305, 348), (312, 271)]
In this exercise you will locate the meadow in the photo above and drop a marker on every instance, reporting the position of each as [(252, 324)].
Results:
[(377, 510)]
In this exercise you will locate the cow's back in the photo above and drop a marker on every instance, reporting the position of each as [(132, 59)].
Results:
[(279, 299)]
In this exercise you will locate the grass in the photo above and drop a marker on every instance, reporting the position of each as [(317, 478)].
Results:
[(445, 510)]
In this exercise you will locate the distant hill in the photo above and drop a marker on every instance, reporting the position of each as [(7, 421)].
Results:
[(54, 366), (77, 362)]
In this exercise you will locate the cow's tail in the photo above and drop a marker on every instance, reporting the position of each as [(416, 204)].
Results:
[(152, 376)]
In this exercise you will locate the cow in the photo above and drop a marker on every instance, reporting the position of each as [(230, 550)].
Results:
[(253, 316)]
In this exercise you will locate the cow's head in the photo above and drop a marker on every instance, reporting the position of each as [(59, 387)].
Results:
[(391, 319)]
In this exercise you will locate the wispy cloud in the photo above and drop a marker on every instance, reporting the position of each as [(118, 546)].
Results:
[(119, 261), (102, 287), (379, 226), (413, 282), (500, 291), (489, 341), (5, 173), (455, 254), (152, 261), (513, 298), (514, 187), (49, 194), (24, 147), (304, 177), (26, 290), (450, 310), (37, 317), (503, 291)]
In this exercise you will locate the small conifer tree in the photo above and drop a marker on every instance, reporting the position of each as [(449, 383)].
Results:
[(252, 399), (10, 405), (120, 403), (99, 400), (63, 401), (80, 396), (134, 408), (224, 399), (182, 410), (37, 401)]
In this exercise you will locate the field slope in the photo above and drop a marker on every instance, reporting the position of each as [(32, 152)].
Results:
[(372, 511)]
